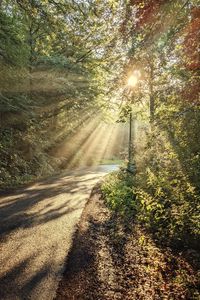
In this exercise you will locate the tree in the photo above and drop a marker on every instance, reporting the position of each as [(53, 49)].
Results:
[(56, 80)]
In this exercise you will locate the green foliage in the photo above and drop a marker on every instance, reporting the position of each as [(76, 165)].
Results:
[(166, 186), (118, 191), (164, 49), (13, 49), (166, 200), (54, 71)]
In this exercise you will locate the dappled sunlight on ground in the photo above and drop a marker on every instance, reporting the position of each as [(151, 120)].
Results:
[(36, 227)]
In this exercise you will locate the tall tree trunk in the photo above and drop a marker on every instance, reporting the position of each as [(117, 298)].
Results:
[(31, 57), (151, 96)]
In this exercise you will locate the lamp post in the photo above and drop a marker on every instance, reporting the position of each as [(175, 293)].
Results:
[(132, 81), (131, 165)]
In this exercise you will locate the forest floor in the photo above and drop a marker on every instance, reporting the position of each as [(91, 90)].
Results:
[(111, 260)]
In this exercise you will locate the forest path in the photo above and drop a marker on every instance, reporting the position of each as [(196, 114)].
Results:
[(36, 228)]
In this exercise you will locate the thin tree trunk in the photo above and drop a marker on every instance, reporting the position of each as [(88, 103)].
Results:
[(151, 97)]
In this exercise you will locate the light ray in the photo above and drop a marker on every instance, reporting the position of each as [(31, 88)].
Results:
[(88, 147)]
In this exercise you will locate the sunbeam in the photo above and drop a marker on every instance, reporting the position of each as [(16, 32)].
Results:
[(96, 142)]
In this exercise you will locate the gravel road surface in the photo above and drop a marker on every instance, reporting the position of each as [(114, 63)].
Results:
[(36, 228)]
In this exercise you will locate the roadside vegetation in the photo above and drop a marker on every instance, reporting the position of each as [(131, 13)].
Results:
[(158, 211), (163, 198), (154, 235), (114, 256)]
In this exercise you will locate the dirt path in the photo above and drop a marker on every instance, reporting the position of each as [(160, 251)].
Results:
[(111, 260), (36, 228)]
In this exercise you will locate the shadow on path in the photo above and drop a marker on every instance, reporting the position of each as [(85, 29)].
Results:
[(18, 209)]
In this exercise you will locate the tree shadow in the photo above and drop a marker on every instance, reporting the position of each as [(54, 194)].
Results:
[(80, 279), (83, 277), (33, 206), (41, 203), (11, 285)]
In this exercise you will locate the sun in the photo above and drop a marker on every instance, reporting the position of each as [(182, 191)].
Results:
[(132, 80)]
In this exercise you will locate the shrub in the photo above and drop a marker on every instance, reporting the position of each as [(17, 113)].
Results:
[(119, 195)]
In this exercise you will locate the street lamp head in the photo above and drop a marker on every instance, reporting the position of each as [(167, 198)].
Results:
[(133, 78)]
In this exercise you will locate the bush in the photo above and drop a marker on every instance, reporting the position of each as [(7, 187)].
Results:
[(165, 202), (118, 191)]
